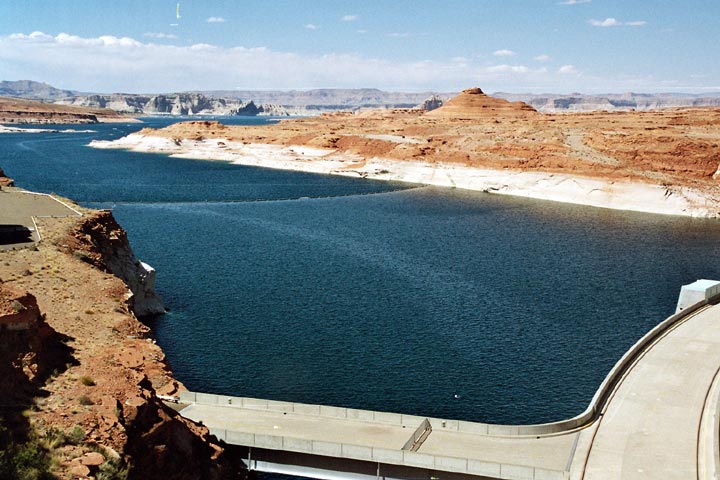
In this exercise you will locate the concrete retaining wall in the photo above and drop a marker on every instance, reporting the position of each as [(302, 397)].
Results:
[(389, 457)]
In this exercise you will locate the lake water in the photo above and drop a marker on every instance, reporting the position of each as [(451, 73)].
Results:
[(382, 296)]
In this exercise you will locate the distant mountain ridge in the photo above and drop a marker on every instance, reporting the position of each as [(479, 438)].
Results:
[(227, 102), (317, 101), (275, 103), (32, 90), (577, 102), (171, 104), (332, 98)]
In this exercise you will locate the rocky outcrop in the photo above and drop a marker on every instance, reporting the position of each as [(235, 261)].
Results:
[(165, 445), (16, 110), (18, 310), (175, 104), (4, 180), (39, 116), (474, 104), (273, 110), (432, 103), (99, 240), (29, 350), (117, 102)]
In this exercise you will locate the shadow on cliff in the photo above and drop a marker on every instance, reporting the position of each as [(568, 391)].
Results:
[(28, 358)]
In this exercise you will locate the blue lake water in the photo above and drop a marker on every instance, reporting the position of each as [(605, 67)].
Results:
[(392, 297)]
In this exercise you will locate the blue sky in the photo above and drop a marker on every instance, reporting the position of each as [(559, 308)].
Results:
[(588, 46)]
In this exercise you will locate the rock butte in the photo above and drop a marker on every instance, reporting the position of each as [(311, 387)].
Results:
[(660, 161), (17, 110), (474, 104)]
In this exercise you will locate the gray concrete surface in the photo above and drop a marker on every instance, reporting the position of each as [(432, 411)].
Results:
[(17, 208), (379, 437), (650, 428), (303, 427)]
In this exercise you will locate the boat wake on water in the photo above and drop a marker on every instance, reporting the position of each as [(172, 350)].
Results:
[(304, 198)]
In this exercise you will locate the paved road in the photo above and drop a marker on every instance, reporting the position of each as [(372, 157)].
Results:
[(16, 211), (650, 426)]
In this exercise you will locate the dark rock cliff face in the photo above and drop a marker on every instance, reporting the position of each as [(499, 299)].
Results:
[(24, 341), (101, 241), (47, 117), (30, 351), (163, 445), (432, 103), (175, 104), (4, 180)]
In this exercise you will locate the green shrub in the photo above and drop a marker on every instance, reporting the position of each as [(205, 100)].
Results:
[(17, 306), (23, 461), (113, 470), (32, 462), (87, 381), (76, 435), (54, 438), (80, 255)]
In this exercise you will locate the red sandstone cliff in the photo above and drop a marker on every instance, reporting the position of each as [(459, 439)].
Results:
[(18, 110), (101, 241), (85, 373)]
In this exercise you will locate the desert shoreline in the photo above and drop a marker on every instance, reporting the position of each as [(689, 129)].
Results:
[(560, 187)]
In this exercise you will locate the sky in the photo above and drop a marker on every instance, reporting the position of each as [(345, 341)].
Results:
[(533, 46)]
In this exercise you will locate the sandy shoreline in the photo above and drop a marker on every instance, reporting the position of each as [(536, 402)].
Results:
[(581, 190)]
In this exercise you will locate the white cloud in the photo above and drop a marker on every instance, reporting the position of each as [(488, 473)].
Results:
[(614, 22), (160, 35), (398, 34), (542, 58), (361, 31), (311, 26), (568, 70), (349, 18), (608, 22), (216, 20), (574, 2), (503, 53), (113, 64), (34, 36), (506, 69), (206, 47)]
